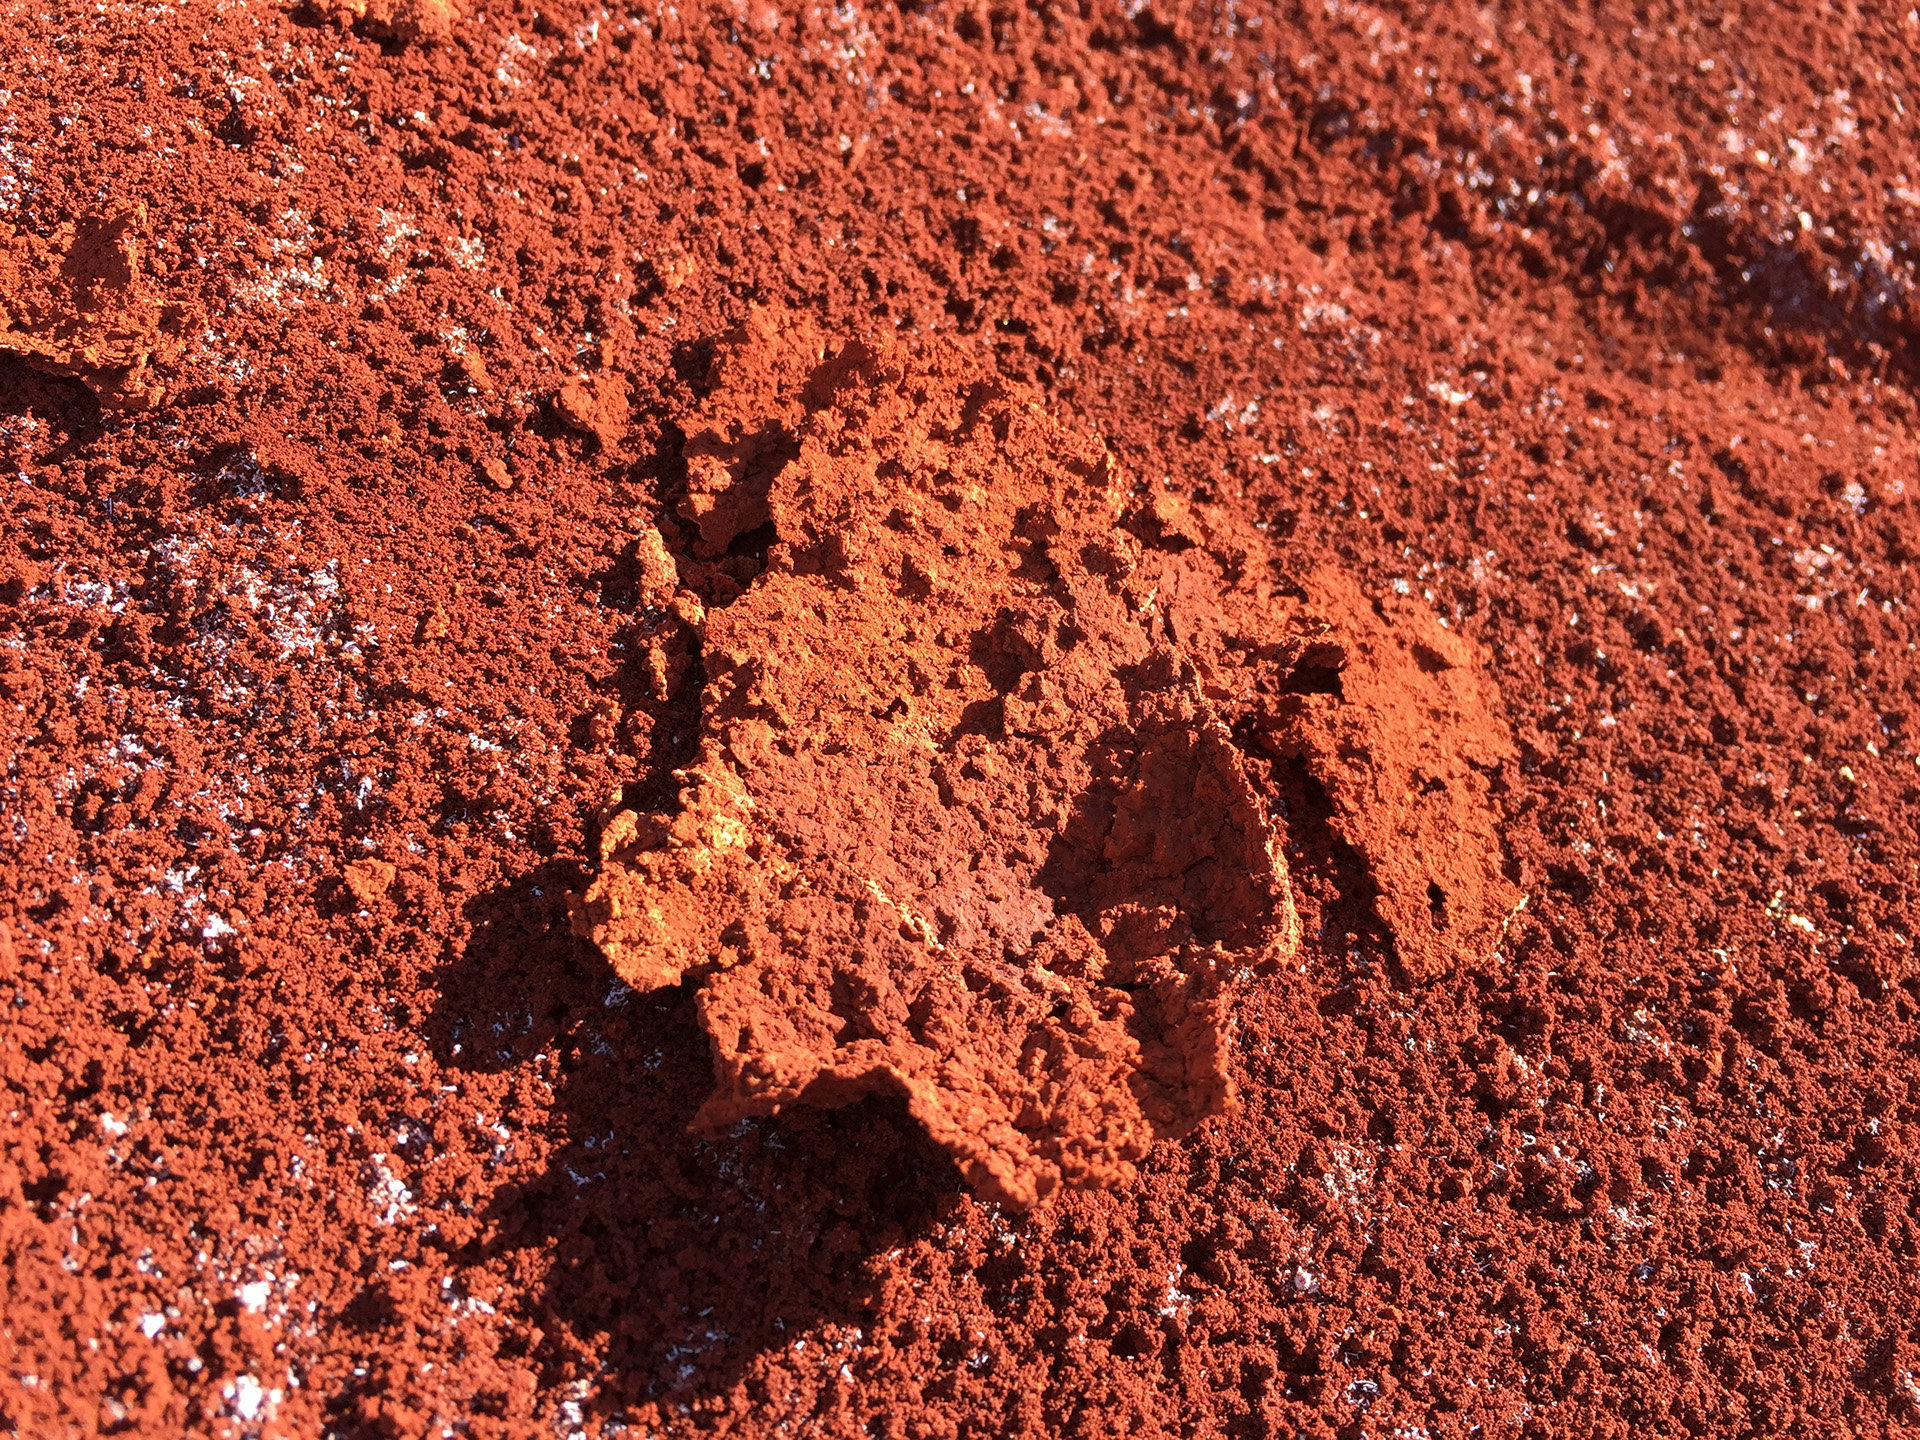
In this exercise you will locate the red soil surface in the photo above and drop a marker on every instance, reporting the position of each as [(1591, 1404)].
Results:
[(1485, 440)]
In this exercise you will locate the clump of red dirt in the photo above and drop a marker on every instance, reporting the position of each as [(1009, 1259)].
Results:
[(74, 303), (959, 830), (1400, 728), (967, 824), (1227, 692), (401, 21)]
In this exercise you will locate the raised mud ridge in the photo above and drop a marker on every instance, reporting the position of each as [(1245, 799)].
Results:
[(970, 824)]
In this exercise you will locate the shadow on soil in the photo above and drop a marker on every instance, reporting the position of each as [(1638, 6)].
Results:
[(670, 1261)]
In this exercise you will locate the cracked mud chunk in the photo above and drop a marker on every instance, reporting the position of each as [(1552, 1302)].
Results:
[(962, 830)]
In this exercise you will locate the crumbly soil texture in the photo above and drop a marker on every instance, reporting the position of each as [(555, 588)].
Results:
[(923, 720)]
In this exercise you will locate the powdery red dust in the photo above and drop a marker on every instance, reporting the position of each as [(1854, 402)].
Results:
[(364, 536)]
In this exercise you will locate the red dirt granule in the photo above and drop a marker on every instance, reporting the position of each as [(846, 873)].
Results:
[(1510, 412)]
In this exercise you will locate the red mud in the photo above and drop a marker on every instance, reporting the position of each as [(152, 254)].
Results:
[(1254, 665)]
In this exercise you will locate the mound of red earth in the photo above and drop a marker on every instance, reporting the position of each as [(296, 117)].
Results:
[(941, 719)]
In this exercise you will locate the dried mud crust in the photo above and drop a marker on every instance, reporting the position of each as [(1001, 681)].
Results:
[(968, 825)]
